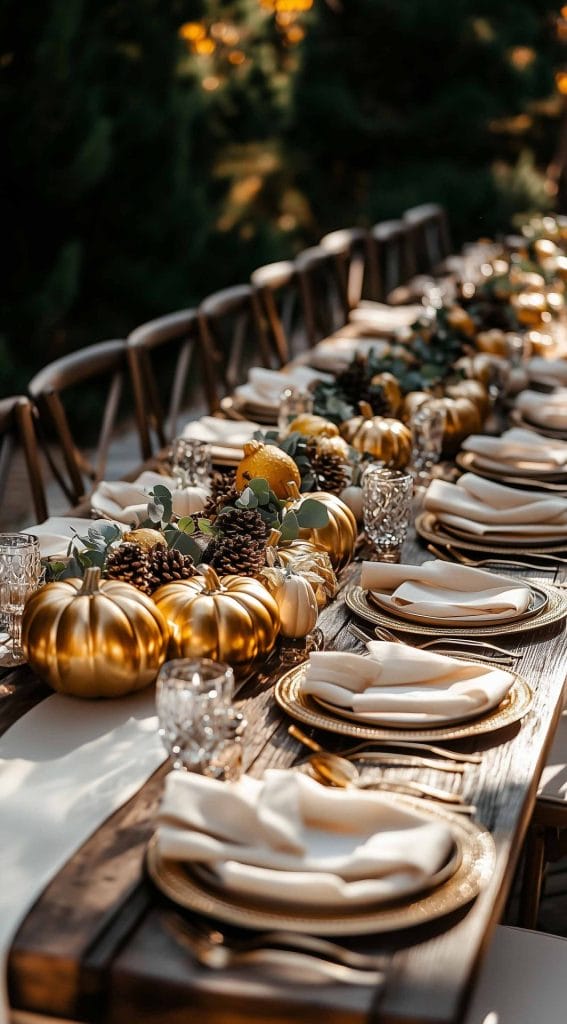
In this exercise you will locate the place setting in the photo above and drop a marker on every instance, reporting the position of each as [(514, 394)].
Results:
[(518, 457), (543, 412), (259, 398)]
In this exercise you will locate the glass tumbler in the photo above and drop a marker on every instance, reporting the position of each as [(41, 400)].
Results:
[(193, 459), (427, 428), (20, 574), (196, 717), (293, 403), (387, 504)]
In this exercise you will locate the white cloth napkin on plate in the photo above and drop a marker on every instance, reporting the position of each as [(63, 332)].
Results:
[(486, 508), (289, 839), (226, 433), (547, 371), (401, 682), (264, 387), (439, 589), (518, 451), (56, 533), (128, 502), (545, 410), (386, 319), (335, 354)]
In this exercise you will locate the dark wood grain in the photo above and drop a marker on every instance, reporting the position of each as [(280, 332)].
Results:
[(99, 943)]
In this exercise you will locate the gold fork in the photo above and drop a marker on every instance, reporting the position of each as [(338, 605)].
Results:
[(385, 634)]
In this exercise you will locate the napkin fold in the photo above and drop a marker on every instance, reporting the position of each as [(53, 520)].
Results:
[(388, 320), (228, 433), (545, 410), (485, 508), (56, 533), (399, 680), (518, 451), (288, 839), (439, 589), (128, 502), (264, 387), (335, 354), (547, 371)]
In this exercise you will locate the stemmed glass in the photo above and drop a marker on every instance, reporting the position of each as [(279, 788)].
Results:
[(20, 574)]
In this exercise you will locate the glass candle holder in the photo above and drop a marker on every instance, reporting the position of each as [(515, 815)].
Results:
[(196, 717), (193, 458), (20, 574), (387, 504), (427, 430), (293, 403)]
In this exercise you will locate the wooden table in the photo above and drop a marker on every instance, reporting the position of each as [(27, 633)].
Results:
[(102, 944)]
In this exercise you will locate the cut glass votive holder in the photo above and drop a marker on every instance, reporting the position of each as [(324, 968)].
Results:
[(387, 496)]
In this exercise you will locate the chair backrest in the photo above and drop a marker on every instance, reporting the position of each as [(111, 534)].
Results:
[(277, 288), (354, 258), (17, 431), (431, 240), (393, 255), (233, 335), (104, 362), (322, 296), (161, 353)]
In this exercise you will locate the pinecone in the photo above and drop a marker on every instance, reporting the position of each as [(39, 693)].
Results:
[(330, 472), (239, 554), (242, 522), (130, 564), (355, 384), (167, 565), (223, 493)]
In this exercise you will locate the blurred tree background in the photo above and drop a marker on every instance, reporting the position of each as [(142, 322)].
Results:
[(155, 150)]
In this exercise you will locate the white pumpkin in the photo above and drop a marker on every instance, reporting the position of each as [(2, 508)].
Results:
[(295, 599), (352, 497)]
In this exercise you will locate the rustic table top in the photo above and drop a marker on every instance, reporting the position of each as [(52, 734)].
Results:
[(102, 944)]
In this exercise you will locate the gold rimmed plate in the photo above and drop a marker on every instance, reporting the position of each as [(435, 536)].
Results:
[(552, 480), (519, 420), (236, 408), (475, 864), (538, 601), (303, 707), (553, 610), (428, 526)]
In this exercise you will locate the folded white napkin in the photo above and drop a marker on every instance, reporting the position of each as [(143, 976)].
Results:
[(227, 433), (402, 683), (545, 410), (442, 590), (264, 387), (335, 354), (289, 839), (57, 532), (483, 507), (128, 502), (386, 319), (517, 451), (547, 371)]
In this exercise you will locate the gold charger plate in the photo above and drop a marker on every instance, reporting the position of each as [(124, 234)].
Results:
[(554, 610), (519, 420), (428, 526), (306, 709), (236, 408), (474, 870), (539, 599), (535, 479)]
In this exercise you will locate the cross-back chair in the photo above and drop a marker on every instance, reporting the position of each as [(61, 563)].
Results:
[(100, 364), (354, 259), (17, 432), (431, 241), (277, 287), (233, 334), (161, 354), (393, 256), (323, 299)]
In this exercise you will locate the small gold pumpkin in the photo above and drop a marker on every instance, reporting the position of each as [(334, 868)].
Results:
[(338, 537), (494, 342), (333, 446), (412, 402), (146, 538), (233, 619), (391, 391), (474, 390), (89, 638), (305, 556), (463, 418), (388, 440), (461, 321), (311, 425), (477, 367), (295, 599)]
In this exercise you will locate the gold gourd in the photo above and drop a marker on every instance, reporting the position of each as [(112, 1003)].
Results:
[(473, 389), (387, 440), (311, 425), (391, 391), (92, 638), (233, 619), (338, 537)]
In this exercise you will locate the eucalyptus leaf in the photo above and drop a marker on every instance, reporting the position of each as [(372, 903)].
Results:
[(247, 499), (289, 526), (182, 542), (162, 496), (186, 524), (155, 512), (312, 514), (206, 527)]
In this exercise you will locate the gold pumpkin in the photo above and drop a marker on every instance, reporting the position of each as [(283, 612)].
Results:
[(477, 367), (463, 418), (388, 440), (391, 391), (412, 402), (305, 556), (295, 599), (474, 390), (311, 425), (89, 638), (338, 537), (494, 342), (233, 619)]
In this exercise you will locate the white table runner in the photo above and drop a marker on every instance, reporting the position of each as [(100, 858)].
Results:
[(65, 767)]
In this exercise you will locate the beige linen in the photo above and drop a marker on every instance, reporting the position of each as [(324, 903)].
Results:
[(517, 451), (486, 508), (264, 387), (128, 502), (547, 371), (546, 410), (57, 532)]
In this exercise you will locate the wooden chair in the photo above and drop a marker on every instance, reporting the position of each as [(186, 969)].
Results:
[(354, 257), (277, 289), (164, 351), (322, 297), (394, 258), (17, 431), (101, 363), (233, 335), (430, 237)]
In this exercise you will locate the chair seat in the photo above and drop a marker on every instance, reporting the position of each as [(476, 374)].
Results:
[(553, 783), (522, 980)]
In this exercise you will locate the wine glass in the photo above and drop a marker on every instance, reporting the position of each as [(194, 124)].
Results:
[(20, 574)]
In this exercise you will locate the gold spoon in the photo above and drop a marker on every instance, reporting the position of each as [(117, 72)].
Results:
[(337, 771), (416, 748)]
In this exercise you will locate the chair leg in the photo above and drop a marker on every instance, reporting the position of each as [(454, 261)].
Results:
[(534, 865)]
